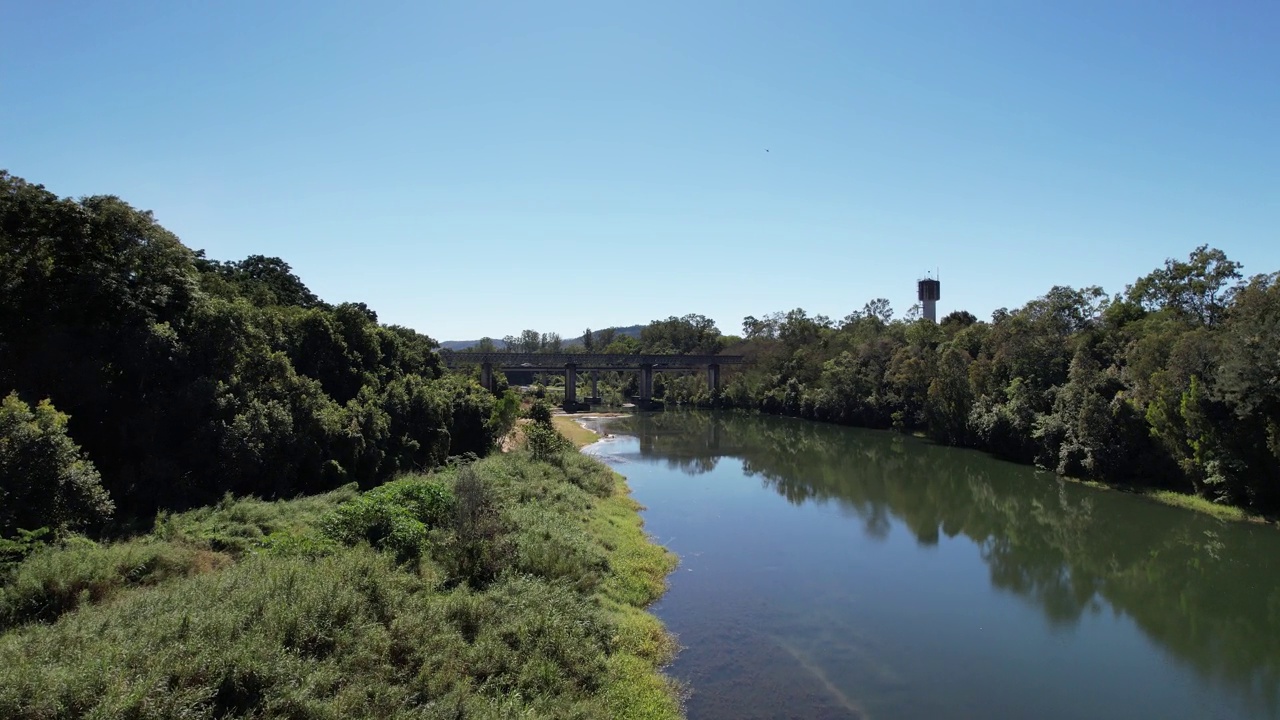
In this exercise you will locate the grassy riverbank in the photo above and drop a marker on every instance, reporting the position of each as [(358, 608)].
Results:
[(509, 588), (1208, 507), (572, 429), (1186, 501)]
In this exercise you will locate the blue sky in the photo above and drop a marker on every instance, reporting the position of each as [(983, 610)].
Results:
[(480, 168)]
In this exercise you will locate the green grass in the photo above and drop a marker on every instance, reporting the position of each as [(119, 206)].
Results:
[(1199, 504), (241, 525), (577, 434), (523, 596), (1186, 501)]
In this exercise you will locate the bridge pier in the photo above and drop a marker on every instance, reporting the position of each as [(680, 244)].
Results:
[(713, 377), (646, 383), (486, 376), (570, 387), (595, 384)]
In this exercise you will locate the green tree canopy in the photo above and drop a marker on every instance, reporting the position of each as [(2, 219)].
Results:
[(45, 479)]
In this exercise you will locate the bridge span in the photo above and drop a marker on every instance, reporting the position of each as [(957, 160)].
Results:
[(573, 363)]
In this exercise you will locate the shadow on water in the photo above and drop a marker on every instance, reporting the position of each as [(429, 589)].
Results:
[(1204, 591)]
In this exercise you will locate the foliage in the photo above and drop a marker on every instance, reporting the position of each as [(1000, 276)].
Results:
[(57, 579), (240, 526), (1171, 384), (45, 480), (545, 442), (478, 549), (186, 378), (396, 516), (553, 627), (539, 412)]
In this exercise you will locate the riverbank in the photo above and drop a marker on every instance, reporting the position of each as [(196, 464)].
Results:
[(509, 587), (940, 551), (572, 427), (1186, 501)]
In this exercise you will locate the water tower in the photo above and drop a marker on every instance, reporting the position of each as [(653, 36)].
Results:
[(929, 291)]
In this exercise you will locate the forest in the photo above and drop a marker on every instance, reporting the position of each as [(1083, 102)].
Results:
[(137, 374), (1171, 384)]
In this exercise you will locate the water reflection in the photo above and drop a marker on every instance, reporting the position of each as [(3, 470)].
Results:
[(1204, 591)]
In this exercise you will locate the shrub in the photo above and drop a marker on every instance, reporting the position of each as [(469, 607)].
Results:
[(23, 544), (540, 412), (478, 549), (395, 516), (45, 480), (286, 543), (545, 442)]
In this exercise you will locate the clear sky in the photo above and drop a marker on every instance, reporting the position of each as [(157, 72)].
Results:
[(477, 168)]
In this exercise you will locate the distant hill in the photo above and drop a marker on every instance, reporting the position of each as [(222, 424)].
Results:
[(464, 344), (628, 331)]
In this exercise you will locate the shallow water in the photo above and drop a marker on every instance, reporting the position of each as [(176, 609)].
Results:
[(834, 572)]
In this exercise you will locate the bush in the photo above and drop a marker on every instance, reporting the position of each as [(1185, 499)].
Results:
[(540, 412), (395, 516), (545, 442), (45, 480), (543, 619), (478, 549), (26, 542), (589, 474)]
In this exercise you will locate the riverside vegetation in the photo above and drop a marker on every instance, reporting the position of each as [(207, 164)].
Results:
[(1170, 386), (509, 587), (382, 570)]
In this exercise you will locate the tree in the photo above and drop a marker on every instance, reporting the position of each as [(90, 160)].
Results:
[(530, 341), (753, 328), (1198, 290), (45, 479), (588, 340), (186, 378), (266, 280), (958, 319), (880, 309), (691, 334), (949, 398)]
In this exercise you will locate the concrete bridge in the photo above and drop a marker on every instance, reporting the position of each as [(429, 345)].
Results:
[(573, 363)]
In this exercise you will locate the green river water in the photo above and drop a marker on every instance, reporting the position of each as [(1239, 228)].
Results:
[(832, 572)]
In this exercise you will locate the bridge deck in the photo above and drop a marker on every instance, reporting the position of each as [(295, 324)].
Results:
[(586, 361)]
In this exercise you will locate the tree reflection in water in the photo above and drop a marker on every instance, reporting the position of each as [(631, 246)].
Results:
[(1203, 589)]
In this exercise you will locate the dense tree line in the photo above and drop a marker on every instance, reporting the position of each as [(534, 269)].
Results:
[(187, 378), (1174, 383)]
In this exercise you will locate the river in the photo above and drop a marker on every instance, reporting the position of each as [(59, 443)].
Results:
[(832, 572)]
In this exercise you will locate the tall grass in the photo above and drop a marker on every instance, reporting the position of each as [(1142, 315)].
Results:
[(523, 596), (57, 580)]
